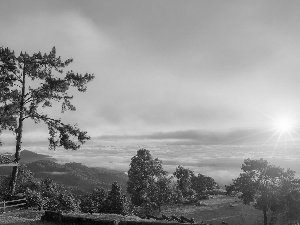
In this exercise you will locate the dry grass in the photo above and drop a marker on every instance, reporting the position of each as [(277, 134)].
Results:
[(28, 217), (116, 217), (23, 217), (218, 209)]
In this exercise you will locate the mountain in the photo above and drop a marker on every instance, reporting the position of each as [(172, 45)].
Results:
[(29, 156), (76, 175)]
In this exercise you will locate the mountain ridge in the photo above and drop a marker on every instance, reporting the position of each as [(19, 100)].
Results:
[(72, 174)]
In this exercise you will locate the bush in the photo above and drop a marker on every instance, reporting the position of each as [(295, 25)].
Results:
[(116, 202), (51, 196), (35, 199), (93, 202)]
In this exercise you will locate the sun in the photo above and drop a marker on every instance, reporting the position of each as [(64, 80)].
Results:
[(284, 125), (283, 131)]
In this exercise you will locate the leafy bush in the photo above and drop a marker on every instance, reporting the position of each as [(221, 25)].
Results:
[(93, 202), (99, 201), (58, 197), (116, 202), (35, 198), (51, 196)]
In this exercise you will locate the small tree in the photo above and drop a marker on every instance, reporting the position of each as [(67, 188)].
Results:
[(161, 192), (266, 185), (202, 183), (143, 174), (184, 181), (29, 83), (115, 202)]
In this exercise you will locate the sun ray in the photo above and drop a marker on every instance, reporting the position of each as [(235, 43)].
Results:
[(284, 135), (270, 138), (249, 136), (276, 143)]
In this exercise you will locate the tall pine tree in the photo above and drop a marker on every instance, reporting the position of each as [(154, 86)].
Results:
[(30, 83)]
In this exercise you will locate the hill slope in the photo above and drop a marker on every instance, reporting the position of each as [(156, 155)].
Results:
[(74, 175), (29, 156), (77, 175)]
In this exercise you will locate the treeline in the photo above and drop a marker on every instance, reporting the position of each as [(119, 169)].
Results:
[(269, 188), (149, 187)]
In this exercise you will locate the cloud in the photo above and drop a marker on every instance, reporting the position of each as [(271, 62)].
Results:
[(70, 32), (246, 136), (222, 162), (197, 69)]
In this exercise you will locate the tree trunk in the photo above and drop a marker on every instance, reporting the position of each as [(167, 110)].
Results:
[(19, 132), (15, 171), (265, 216)]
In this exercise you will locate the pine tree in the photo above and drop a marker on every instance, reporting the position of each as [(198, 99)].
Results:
[(28, 85), (115, 202)]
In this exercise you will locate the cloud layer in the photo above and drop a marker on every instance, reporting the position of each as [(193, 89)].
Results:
[(170, 71)]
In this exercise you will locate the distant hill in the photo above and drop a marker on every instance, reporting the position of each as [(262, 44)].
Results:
[(29, 156), (76, 175)]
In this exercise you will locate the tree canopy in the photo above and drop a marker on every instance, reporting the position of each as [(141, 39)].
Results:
[(146, 180), (184, 180), (266, 185), (31, 83)]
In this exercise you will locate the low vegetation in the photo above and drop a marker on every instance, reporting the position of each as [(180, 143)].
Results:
[(262, 193)]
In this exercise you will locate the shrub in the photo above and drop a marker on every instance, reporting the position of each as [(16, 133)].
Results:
[(116, 202), (93, 202), (35, 199)]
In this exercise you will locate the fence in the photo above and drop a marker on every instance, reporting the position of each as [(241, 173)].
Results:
[(12, 205)]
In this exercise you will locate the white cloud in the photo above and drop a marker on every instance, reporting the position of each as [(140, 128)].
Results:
[(176, 67)]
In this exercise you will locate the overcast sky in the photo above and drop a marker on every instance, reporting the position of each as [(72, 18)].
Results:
[(191, 71)]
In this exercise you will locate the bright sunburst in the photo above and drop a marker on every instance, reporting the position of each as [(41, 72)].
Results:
[(283, 132), (285, 125)]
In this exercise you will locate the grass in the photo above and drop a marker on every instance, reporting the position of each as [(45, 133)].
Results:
[(28, 217), (23, 217), (216, 210), (219, 209)]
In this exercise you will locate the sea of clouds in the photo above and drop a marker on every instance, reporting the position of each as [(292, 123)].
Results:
[(222, 162)]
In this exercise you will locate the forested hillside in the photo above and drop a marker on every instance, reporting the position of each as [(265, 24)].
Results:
[(70, 174), (77, 175), (29, 156)]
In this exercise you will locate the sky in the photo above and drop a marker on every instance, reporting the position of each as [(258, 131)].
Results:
[(199, 83), (192, 72)]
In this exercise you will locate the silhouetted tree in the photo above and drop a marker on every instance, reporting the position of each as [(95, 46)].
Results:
[(29, 83)]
